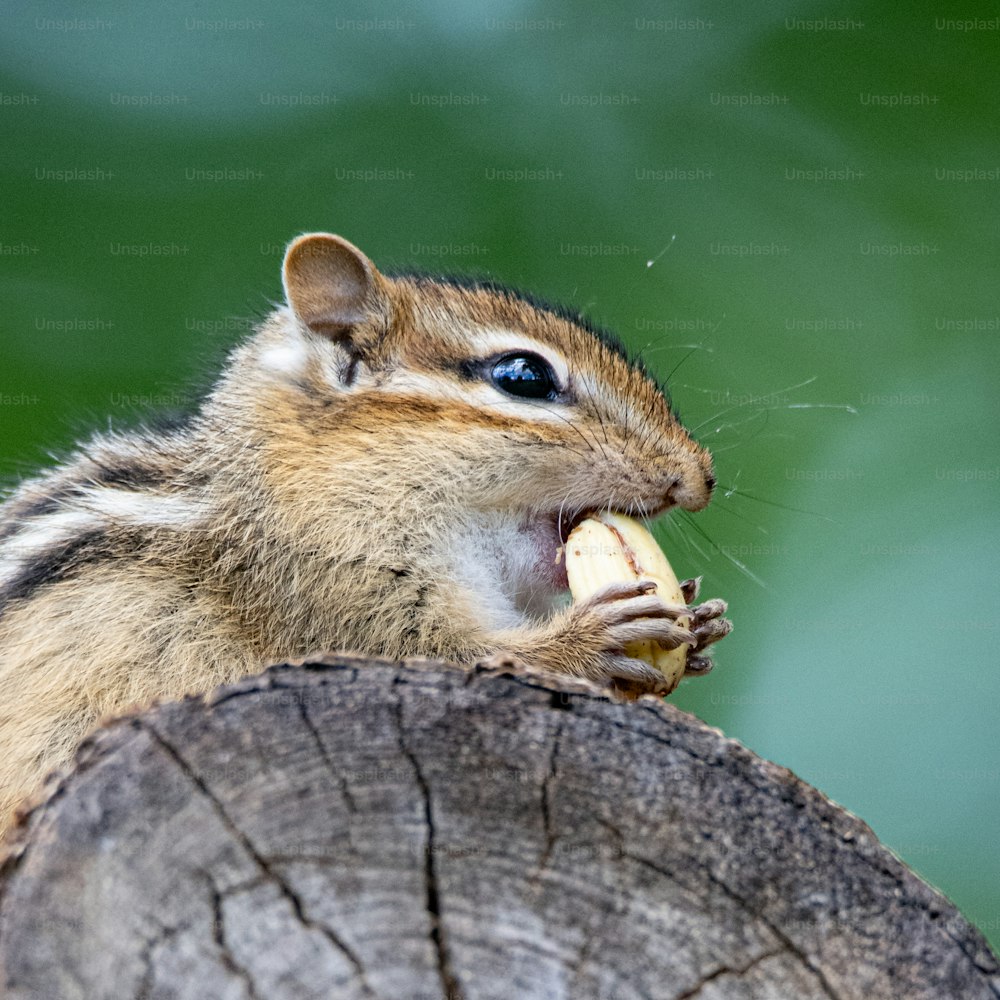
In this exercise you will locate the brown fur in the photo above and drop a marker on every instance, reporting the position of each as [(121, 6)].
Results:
[(318, 501)]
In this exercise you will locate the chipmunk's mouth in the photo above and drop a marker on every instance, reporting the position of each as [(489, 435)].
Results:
[(565, 522), (549, 533), (540, 572), (546, 534)]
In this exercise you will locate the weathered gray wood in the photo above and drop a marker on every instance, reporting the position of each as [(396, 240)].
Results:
[(378, 830)]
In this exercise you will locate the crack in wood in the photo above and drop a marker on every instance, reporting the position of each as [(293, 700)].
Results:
[(220, 698), (614, 830), (789, 944), (546, 806), (794, 801), (963, 944), (241, 838), (219, 937), (146, 958), (727, 970), (338, 776), (582, 956), (450, 985), (779, 935)]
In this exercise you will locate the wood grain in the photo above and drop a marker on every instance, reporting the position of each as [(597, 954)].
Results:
[(369, 829)]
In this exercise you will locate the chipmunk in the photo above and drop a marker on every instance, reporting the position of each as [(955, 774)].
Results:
[(389, 466)]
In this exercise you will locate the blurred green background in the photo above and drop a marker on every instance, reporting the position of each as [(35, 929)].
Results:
[(816, 186)]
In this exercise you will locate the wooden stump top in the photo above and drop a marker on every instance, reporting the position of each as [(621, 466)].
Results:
[(368, 829)]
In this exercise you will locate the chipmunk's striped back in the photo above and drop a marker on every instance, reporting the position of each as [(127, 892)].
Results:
[(84, 510)]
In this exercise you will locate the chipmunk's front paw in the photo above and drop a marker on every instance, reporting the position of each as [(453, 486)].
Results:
[(632, 612), (593, 638), (707, 625)]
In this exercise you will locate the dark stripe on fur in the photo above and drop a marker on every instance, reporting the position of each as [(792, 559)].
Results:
[(129, 475), (56, 564), (39, 507)]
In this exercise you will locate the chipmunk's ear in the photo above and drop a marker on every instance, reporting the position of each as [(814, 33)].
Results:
[(331, 285)]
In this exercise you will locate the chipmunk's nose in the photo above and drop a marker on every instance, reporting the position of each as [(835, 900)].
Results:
[(692, 485)]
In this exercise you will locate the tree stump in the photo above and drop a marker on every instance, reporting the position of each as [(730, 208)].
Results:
[(351, 828)]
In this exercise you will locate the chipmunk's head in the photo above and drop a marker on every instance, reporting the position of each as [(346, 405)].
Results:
[(470, 397)]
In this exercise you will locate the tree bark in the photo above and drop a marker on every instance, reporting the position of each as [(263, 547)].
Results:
[(369, 829)]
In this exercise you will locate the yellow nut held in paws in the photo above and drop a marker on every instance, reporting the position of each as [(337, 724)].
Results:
[(613, 548)]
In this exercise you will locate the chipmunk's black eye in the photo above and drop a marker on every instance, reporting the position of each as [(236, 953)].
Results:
[(524, 375)]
